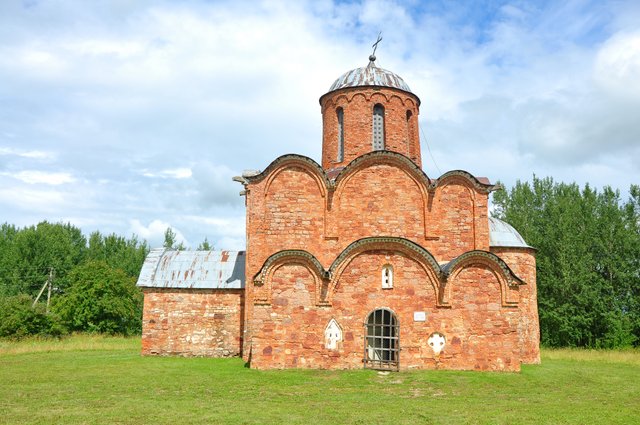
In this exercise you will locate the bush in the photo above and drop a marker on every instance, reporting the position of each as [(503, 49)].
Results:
[(99, 298), (18, 319)]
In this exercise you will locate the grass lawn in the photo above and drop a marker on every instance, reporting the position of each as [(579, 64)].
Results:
[(97, 380)]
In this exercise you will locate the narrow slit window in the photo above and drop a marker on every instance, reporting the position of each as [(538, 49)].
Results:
[(387, 277), (340, 114), (378, 127), (409, 138)]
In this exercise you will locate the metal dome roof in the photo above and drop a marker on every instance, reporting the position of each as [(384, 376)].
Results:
[(369, 75), (503, 234)]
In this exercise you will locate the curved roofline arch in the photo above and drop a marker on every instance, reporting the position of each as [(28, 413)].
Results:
[(282, 160), (480, 186), (281, 256), (452, 266), (415, 251), (383, 156)]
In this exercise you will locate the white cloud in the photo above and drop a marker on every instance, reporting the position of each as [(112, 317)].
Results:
[(150, 108), (617, 65), (35, 154), (154, 232), (42, 177), (173, 173)]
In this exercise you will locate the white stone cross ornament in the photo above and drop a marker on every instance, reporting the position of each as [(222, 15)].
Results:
[(436, 341), (332, 335)]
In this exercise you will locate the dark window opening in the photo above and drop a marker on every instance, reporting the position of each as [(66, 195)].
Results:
[(378, 127), (340, 113), (382, 341)]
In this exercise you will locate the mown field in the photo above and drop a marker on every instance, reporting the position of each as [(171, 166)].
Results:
[(97, 380)]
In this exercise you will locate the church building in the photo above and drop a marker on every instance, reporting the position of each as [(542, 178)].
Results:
[(361, 261)]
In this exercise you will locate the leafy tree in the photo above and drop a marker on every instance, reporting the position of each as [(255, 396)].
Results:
[(205, 246), (19, 319), (587, 260), (170, 239), (102, 299), (34, 250), (118, 252)]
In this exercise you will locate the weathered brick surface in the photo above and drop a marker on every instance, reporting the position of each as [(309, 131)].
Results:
[(523, 262), (481, 332), (401, 133), (192, 322)]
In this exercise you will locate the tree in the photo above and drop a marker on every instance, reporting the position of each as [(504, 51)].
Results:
[(19, 319), (587, 260), (32, 251), (118, 252), (100, 298), (170, 239), (205, 246)]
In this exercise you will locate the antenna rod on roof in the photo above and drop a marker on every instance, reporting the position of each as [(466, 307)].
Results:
[(372, 58)]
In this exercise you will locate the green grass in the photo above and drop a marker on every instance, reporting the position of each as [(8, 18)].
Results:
[(98, 380)]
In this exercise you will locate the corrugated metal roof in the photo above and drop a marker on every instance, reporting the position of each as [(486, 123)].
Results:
[(193, 269), (369, 75), (503, 234)]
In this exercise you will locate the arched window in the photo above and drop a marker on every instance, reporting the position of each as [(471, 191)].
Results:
[(409, 133), (378, 127), (387, 276), (382, 340), (340, 114)]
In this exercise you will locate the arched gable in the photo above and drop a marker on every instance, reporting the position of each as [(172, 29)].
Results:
[(295, 196), (464, 175), (410, 187), (262, 280), (290, 161), (383, 157), (412, 250), (507, 279)]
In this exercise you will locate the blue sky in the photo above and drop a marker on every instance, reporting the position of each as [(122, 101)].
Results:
[(129, 117)]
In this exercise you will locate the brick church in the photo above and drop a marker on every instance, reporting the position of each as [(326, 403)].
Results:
[(362, 261)]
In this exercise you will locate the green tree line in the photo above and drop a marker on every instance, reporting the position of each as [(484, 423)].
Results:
[(588, 259), (92, 281)]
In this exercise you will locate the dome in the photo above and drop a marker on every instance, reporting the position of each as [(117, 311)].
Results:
[(369, 75), (503, 234)]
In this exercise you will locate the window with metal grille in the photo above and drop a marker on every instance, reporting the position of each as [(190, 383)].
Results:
[(382, 340), (340, 114), (378, 127)]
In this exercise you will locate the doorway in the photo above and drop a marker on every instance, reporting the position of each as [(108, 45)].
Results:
[(382, 340)]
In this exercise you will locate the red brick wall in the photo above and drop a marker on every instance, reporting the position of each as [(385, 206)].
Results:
[(293, 208), (192, 322), (400, 135), (523, 262), (392, 207), (481, 333)]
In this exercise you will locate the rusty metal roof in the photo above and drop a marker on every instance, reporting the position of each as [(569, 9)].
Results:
[(503, 234), (369, 75), (193, 269)]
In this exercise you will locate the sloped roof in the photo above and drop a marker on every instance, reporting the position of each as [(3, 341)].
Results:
[(503, 234), (193, 269)]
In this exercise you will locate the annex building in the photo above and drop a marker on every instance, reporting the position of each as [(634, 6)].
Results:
[(360, 261)]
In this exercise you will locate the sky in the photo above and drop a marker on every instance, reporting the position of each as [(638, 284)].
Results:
[(130, 117)]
